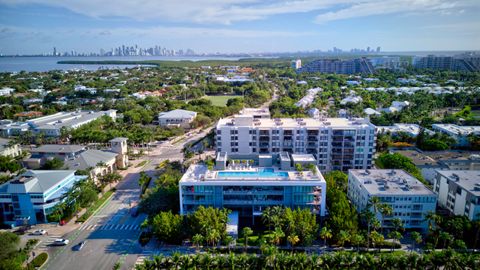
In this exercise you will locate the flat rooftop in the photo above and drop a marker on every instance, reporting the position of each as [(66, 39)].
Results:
[(67, 119), (418, 158), (390, 182), (458, 130), (468, 180), (249, 175), (247, 121)]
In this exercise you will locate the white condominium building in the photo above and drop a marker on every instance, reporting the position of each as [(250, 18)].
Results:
[(409, 198), (459, 133), (459, 192), (336, 143)]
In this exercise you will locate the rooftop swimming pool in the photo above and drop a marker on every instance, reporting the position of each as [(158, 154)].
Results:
[(263, 173)]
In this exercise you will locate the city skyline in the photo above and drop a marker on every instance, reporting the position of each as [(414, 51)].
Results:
[(210, 26)]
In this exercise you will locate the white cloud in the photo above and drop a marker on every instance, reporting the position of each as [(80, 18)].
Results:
[(381, 7), (230, 11)]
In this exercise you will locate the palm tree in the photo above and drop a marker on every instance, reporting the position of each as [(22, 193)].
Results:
[(293, 240), (343, 237), (277, 236), (416, 239), (213, 236), (247, 231), (325, 233), (385, 210), (377, 238), (197, 240), (446, 238), (433, 219), (396, 236), (356, 240), (369, 217)]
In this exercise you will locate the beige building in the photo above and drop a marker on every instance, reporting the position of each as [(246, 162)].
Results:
[(9, 148)]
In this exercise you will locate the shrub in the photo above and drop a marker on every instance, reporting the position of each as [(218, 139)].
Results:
[(39, 260)]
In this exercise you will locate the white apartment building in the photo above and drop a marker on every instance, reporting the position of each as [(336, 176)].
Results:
[(180, 118), (51, 125), (409, 198), (336, 143), (459, 133), (459, 192)]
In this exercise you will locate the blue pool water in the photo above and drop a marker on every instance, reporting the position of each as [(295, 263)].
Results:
[(265, 173)]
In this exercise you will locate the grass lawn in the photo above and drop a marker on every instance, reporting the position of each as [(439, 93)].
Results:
[(220, 100), (476, 114)]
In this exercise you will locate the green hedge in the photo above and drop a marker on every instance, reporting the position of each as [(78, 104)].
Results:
[(38, 261), (95, 206)]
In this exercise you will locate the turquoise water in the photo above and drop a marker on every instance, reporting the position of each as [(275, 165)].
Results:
[(265, 173)]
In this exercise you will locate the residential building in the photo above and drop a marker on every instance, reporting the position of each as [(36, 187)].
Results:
[(180, 118), (249, 188), (336, 143), (459, 192), (448, 63), (256, 112), (9, 148), (409, 198), (430, 161), (397, 106), (308, 98), (459, 133), (51, 125), (296, 64), (9, 128), (79, 157), (411, 130), (339, 66), (6, 91), (30, 197)]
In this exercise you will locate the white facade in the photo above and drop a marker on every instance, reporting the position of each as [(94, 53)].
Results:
[(459, 192), (411, 129), (181, 118), (9, 149), (336, 143), (409, 198), (308, 98), (459, 133), (6, 91), (51, 125)]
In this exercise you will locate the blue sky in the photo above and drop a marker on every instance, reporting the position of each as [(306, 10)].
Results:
[(36, 26)]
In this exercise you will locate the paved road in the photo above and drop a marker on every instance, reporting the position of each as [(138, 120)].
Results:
[(111, 234)]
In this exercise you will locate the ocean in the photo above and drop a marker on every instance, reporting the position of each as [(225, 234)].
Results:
[(47, 63)]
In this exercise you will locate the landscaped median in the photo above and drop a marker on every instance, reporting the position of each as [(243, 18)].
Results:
[(141, 164), (38, 261), (92, 209)]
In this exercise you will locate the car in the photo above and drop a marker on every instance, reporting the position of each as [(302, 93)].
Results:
[(39, 232), (60, 242), (79, 246)]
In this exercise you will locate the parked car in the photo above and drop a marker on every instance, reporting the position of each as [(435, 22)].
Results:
[(60, 242), (79, 246), (39, 232)]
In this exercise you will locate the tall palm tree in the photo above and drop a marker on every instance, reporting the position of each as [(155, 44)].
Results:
[(277, 236), (325, 234), (416, 239), (396, 236), (247, 231), (385, 210), (356, 240)]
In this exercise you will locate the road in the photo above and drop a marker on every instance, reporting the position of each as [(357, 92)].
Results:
[(111, 234)]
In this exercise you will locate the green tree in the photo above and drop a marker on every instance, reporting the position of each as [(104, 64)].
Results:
[(197, 240), (325, 234), (377, 238), (396, 236), (53, 164), (343, 238), (293, 240), (416, 239), (167, 227), (246, 232)]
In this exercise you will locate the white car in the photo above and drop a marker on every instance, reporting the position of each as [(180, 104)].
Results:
[(60, 242), (39, 232)]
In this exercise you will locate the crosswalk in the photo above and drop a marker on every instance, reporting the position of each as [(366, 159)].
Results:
[(45, 244), (110, 227)]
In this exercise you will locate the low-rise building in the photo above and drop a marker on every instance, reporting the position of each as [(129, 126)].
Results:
[(79, 157), (6, 91), (256, 112), (9, 128), (248, 189), (409, 198), (430, 161), (459, 192), (9, 148), (51, 125), (180, 118), (459, 133), (30, 197), (411, 129)]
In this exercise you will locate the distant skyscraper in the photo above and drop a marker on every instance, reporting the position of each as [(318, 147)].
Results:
[(339, 66), (368, 49), (54, 51), (378, 49)]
